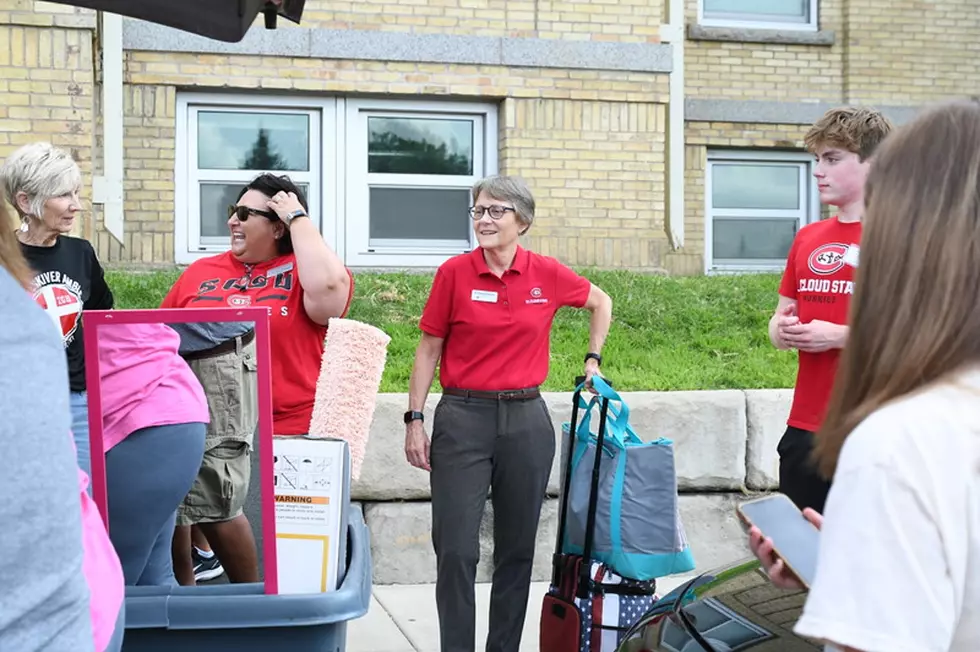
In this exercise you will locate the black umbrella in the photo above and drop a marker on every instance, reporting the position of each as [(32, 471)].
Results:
[(224, 20)]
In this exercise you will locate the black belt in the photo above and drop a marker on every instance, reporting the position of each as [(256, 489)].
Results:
[(509, 395), (227, 346)]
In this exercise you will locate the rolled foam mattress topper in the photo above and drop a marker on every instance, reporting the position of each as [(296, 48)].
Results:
[(347, 389)]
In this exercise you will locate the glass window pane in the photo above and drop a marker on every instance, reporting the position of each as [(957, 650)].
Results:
[(215, 200), (745, 239), (420, 214), (253, 141), (420, 146), (750, 185), (798, 10)]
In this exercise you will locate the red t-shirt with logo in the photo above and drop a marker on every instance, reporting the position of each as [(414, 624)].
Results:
[(821, 281), (297, 341), (497, 330)]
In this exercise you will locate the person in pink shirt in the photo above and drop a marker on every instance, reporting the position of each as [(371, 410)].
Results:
[(154, 417), (103, 574)]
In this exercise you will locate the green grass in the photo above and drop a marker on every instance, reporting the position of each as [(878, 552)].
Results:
[(668, 333)]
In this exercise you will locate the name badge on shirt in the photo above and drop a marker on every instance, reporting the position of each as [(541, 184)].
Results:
[(276, 271), (851, 255), (484, 296)]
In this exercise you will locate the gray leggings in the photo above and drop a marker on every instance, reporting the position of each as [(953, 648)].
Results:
[(147, 476)]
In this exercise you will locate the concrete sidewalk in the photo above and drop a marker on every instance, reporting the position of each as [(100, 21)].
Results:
[(402, 618)]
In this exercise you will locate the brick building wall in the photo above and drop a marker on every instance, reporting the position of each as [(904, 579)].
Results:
[(579, 90), (609, 20), (47, 80)]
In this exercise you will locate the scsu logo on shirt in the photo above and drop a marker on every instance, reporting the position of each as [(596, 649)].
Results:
[(536, 296), (827, 259)]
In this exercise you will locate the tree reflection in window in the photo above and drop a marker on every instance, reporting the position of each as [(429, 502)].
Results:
[(263, 155), (420, 146)]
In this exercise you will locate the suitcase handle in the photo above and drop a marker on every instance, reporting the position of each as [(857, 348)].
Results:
[(585, 580)]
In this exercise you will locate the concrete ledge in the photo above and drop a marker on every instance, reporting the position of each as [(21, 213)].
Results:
[(772, 36), (402, 550), (786, 113), (397, 46), (724, 440)]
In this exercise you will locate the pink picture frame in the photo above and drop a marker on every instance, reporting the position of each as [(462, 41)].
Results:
[(93, 319)]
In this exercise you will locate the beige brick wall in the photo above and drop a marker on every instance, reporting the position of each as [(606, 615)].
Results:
[(759, 71), (597, 171), (893, 54), (911, 53), (594, 165), (47, 82), (591, 143), (149, 141), (611, 20)]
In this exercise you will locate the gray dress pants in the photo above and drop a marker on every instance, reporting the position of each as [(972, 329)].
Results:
[(479, 444)]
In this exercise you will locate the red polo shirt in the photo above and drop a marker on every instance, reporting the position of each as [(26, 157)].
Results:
[(497, 330)]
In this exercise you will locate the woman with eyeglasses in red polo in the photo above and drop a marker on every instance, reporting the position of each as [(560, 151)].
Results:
[(278, 259), (488, 319)]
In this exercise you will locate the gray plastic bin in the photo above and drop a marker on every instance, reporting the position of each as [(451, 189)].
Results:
[(241, 617)]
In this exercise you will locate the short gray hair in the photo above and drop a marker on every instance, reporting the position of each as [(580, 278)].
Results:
[(41, 171), (511, 189)]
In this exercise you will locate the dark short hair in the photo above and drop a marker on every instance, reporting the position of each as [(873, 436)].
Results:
[(269, 184)]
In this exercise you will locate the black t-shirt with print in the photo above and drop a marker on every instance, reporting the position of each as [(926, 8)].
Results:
[(68, 279)]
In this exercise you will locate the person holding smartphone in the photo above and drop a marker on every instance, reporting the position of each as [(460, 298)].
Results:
[(899, 549)]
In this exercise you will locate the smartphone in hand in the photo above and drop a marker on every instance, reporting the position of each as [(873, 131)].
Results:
[(795, 540)]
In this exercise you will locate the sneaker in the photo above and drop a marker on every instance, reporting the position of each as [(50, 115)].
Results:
[(206, 569)]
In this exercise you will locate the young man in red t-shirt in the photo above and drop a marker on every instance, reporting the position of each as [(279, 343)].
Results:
[(817, 285)]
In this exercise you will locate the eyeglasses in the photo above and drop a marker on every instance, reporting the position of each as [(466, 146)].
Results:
[(496, 211), (243, 213)]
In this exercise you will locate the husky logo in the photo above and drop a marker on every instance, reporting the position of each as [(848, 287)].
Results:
[(827, 259)]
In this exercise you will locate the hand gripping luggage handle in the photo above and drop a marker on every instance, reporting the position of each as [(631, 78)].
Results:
[(585, 580)]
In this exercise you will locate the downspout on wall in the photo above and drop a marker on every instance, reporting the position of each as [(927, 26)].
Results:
[(107, 188), (673, 32)]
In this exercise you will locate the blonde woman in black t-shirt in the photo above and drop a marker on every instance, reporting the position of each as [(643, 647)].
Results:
[(42, 183)]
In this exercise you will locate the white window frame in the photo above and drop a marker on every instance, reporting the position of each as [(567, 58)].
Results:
[(758, 21), (808, 212), (338, 178), (320, 178), (360, 251)]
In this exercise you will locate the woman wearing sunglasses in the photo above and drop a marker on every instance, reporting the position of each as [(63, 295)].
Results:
[(278, 259)]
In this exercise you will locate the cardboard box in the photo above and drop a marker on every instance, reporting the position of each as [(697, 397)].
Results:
[(312, 488)]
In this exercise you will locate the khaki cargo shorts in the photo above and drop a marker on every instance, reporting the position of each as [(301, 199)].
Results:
[(230, 382)]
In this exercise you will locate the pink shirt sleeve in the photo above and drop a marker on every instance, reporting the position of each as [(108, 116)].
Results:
[(101, 567)]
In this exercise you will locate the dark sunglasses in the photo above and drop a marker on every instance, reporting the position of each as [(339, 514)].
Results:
[(243, 213)]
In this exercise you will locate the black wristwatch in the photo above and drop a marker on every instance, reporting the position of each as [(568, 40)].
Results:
[(593, 356), (412, 415)]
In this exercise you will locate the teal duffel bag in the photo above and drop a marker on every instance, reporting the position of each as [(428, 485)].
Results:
[(638, 531)]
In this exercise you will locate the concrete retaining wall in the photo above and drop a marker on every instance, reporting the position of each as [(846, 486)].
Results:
[(725, 444)]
